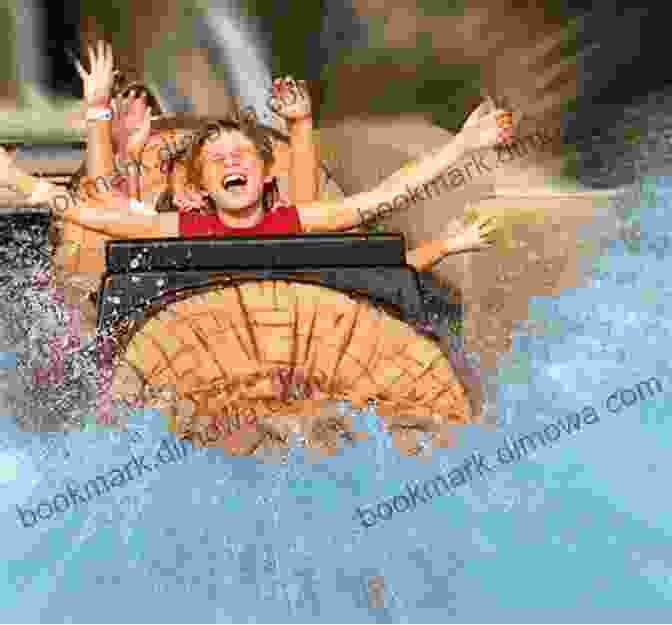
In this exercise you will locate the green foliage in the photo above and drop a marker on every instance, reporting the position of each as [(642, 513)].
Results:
[(440, 90), (631, 135), (112, 19), (569, 169), (568, 44), (569, 106), (7, 17), (39, 119), (455, 327), (159, 60), (375, 227), (295, 32), (558, 9), (439, 7), (432, 86)]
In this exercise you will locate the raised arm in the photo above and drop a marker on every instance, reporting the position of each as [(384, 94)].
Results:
[(133, 119), (428, 173), (291, 100), (110, 214), (97, 95)]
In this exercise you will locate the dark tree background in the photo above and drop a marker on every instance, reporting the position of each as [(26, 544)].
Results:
[(62, 31)]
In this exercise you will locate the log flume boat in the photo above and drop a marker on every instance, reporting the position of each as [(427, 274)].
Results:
[(221, 321)]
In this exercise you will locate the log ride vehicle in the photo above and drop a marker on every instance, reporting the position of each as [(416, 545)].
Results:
[(268, 329), (219, 320)]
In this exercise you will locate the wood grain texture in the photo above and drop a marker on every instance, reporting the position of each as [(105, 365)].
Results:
[(218, 350)]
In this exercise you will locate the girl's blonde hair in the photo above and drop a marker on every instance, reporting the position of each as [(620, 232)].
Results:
[(243, 121)]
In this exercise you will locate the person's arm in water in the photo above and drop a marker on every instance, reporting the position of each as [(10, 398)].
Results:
[(481, 131), (291, 100)]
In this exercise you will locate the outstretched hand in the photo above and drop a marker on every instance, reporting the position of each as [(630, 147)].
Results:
[(98, 83), (473, 236), (488, 126), (290, 99)]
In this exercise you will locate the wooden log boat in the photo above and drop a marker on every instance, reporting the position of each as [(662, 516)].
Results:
[(217, 322)]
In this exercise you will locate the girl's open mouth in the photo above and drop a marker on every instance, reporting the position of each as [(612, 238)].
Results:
[(235, 183)]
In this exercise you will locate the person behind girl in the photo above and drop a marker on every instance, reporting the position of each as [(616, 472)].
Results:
[(230, 192), (124, 151)]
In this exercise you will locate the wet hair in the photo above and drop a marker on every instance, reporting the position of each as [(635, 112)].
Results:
[(120, 87), (244, 122)]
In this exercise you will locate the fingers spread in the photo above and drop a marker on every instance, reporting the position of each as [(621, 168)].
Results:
[(92, 59), (100, 61), (109, 65), (80, 70)]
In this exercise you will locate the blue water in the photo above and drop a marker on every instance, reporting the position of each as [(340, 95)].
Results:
[(7, 360), (580, 531)]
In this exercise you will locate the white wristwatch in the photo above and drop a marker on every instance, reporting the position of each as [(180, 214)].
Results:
[(140, 208), (94, 115)]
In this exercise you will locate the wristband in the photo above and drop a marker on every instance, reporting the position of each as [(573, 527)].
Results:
[(93, 115), (136, 206)]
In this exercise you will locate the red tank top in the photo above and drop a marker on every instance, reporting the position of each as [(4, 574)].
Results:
[(283, 220)]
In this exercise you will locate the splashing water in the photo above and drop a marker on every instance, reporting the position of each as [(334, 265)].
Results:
[(244, 56)]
